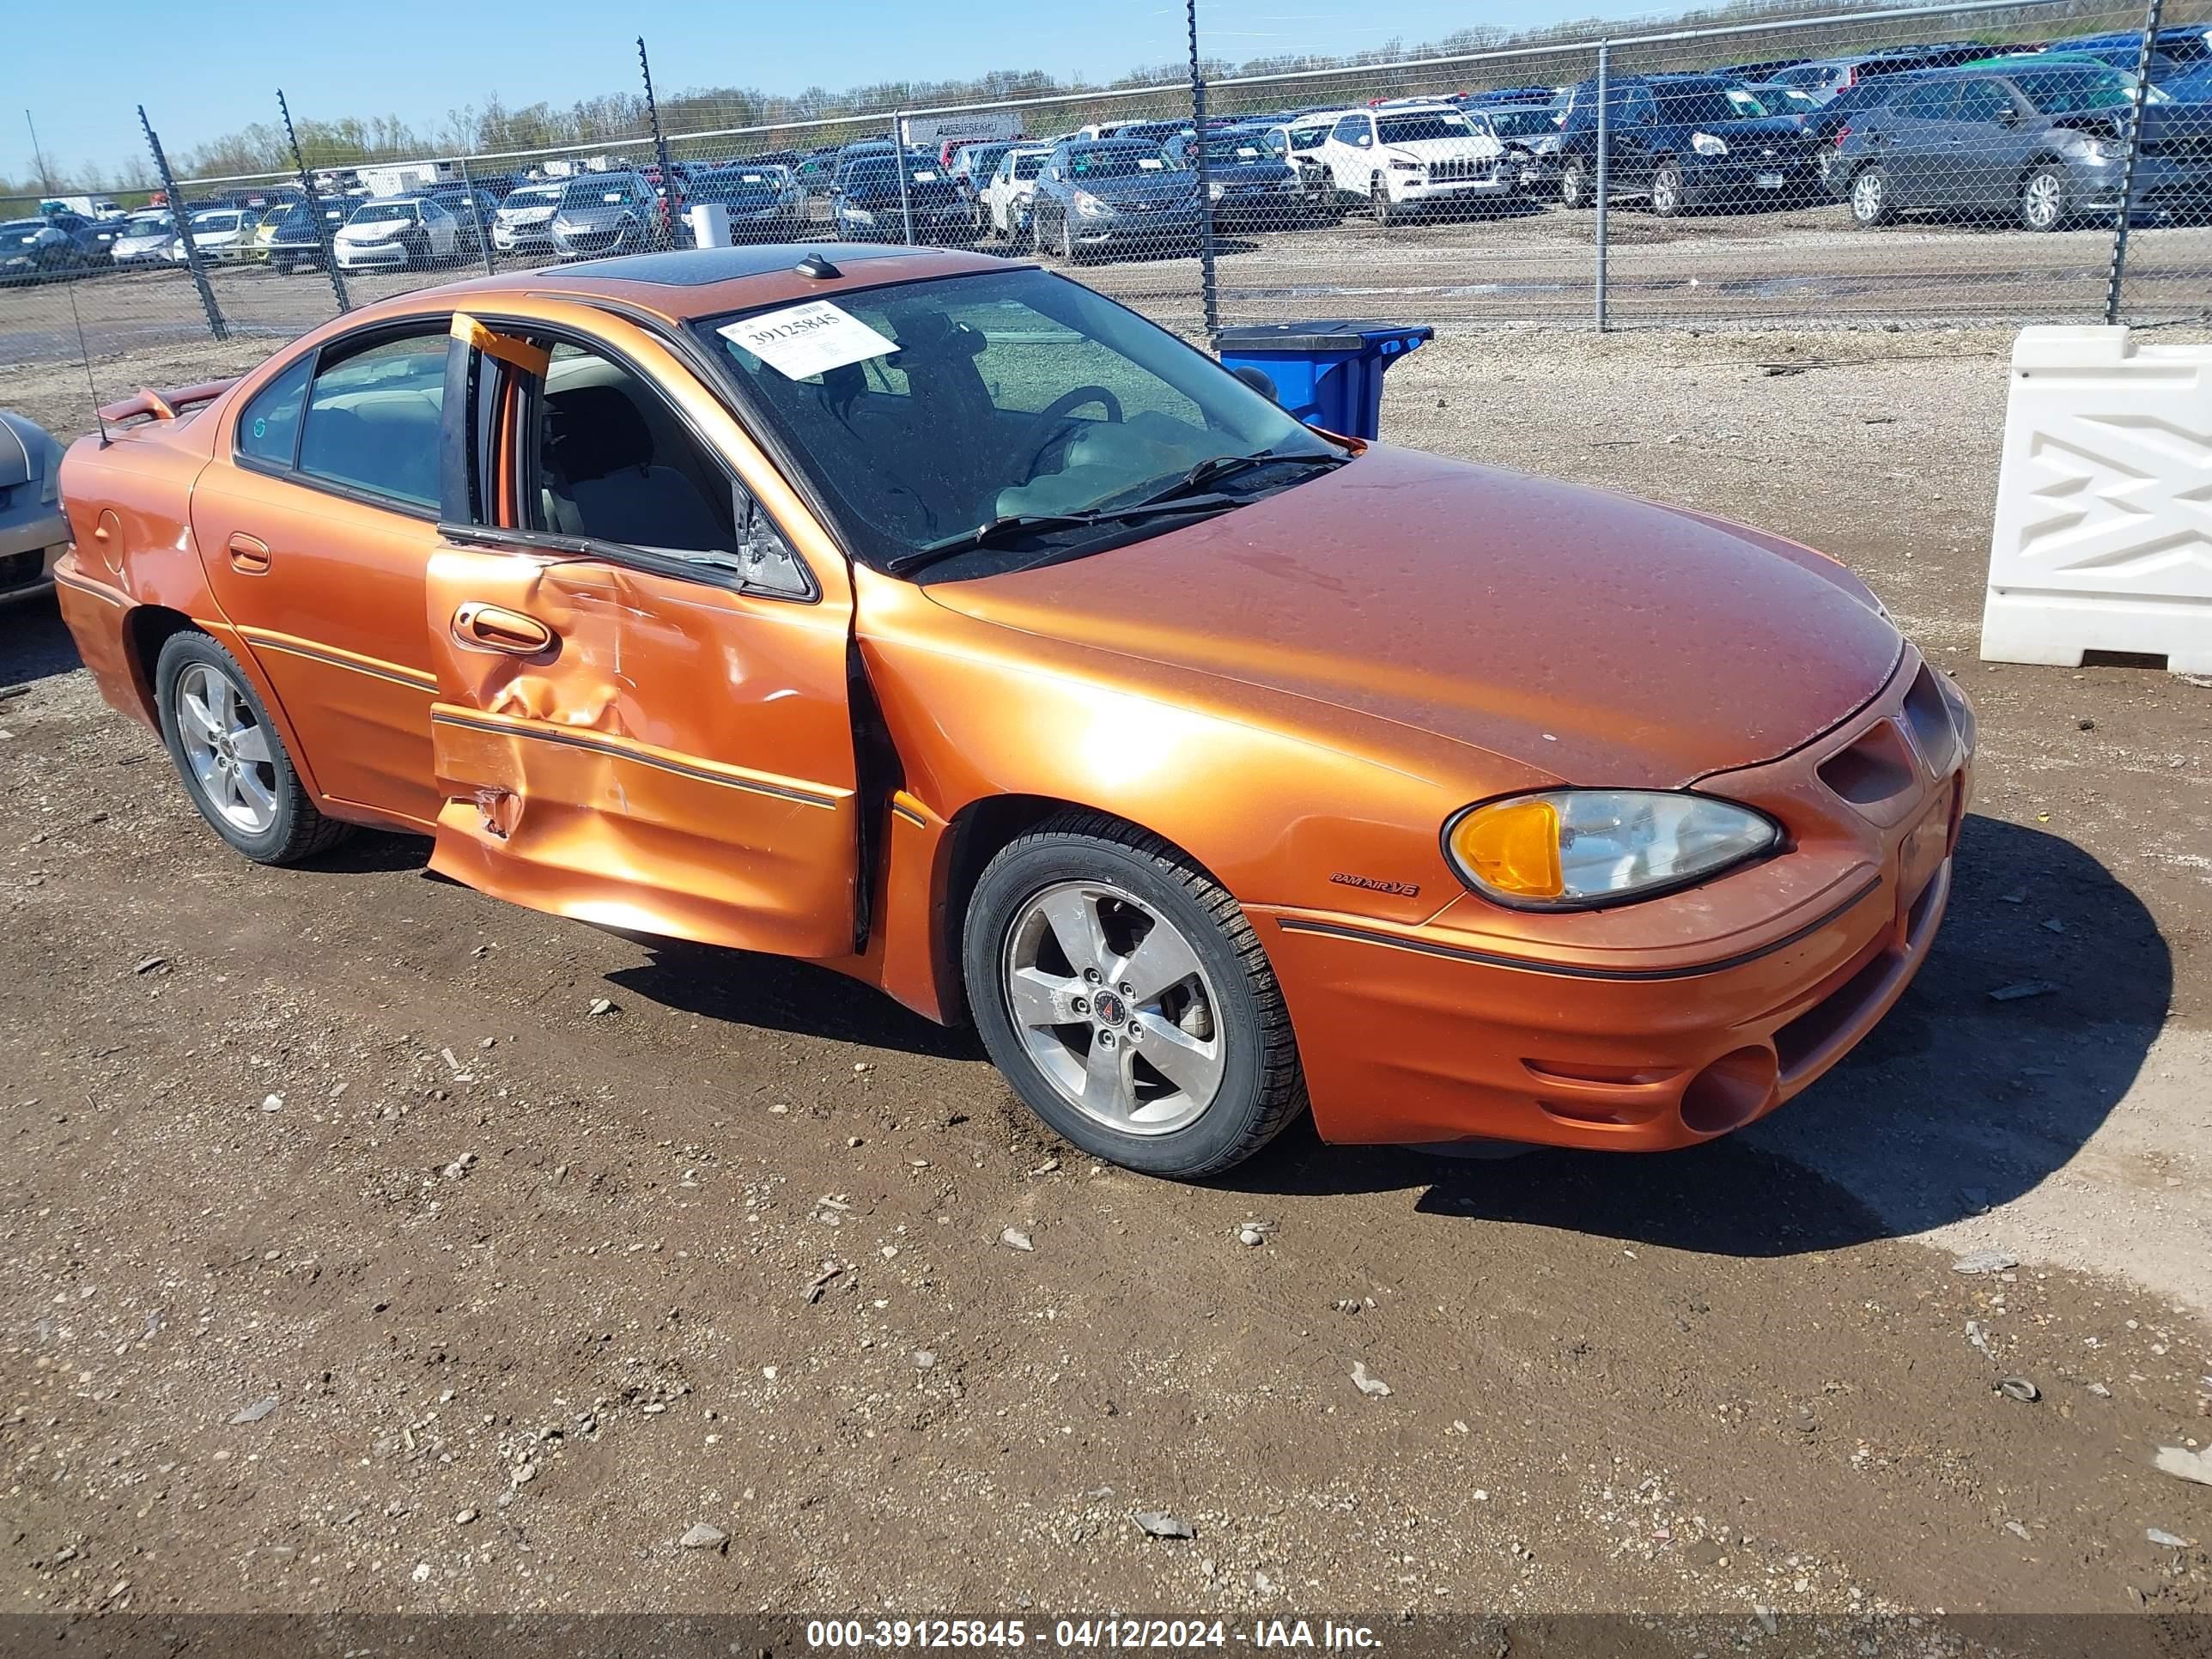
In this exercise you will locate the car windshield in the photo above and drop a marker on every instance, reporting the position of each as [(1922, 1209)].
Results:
[(1230, 152), (146, 224), (1420, 128), (534, 196), (218, 219), (1116, 161), (598, 193), (1523, 123), (379, 213), (1028, 166), (2078, 86), (1064, 402), (1311, 137), (1700, 107)]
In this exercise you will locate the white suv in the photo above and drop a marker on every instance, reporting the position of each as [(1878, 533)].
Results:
[(1405, 154)]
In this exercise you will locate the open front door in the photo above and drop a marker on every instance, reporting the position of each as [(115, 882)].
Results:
[(644, 751), (642, 712)]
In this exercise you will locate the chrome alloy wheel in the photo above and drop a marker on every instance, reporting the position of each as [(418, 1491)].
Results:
[(1114, 1007), (232, 764), (2044, 200)]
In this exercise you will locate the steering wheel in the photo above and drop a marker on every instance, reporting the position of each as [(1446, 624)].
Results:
[(1051, 421)]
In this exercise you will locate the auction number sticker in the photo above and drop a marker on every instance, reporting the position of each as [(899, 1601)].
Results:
[(798, 341)]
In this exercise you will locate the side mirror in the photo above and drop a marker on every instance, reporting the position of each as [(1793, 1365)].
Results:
[(2008, 116), (1259, 380)]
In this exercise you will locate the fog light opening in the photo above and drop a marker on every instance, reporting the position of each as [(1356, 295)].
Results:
[(1731, 1092)]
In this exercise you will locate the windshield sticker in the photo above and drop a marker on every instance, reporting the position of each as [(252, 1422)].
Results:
[(1149, 165), (798, 341)]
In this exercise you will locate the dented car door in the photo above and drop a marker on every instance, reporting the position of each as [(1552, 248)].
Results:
[(633, 740)]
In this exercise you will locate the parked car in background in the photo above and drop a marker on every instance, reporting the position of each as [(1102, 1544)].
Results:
[(870, 204), (523, 222), (1006, 192), (221, 235), (2041, 144), (764, 201), (1827, 126), (33, 534), (1098, 196), (297, 236), (817, 174), (1498, 97), (473, 209), (971, 168), (397, 233), (1825, 76), (1250, 185), (1301, 140), (1409, 156), (144, 239), (605, 213), (1531, 136), (1680, 143)]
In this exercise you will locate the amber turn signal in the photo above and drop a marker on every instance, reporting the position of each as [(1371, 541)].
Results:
[(1512, 847)]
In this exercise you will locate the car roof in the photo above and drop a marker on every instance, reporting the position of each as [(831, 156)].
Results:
[(689, 283)]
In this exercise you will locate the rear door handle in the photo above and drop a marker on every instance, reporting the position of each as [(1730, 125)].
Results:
[(249, 555), (496, 627)]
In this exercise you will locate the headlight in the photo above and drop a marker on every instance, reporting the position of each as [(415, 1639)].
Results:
[(1090, 206), (1575, 848), (2107, 150), (1706, 144)]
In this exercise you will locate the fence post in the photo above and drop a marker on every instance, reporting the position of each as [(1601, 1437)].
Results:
[(183, 222), (2112, 284), (484, 230), (314, 207), (1209, 293), (664, 234), (898, 166), (1604, 146)]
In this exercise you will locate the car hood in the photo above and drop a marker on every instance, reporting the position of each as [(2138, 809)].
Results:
[(1479, 147), (380, 231), (1783, 131), (1162, 186), (1602, 640), (1250, 173)]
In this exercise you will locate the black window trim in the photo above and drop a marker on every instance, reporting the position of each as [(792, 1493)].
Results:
[(354, 340), (646, 558)]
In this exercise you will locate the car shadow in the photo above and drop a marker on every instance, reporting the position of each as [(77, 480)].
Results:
[(780, 994), (34, 643), (1954, 1104)]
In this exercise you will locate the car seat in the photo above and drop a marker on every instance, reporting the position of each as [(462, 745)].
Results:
[(602, 478)]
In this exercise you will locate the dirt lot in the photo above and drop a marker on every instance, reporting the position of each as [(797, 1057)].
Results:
[(347, 1261)]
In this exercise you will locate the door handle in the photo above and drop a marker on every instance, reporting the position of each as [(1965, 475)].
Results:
[(495, 628), (249, 555)]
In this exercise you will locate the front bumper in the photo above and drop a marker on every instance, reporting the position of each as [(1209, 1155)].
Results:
[(1409, 191), (1457, 1029), (1732, 181), (1126, 229), (518, 239), (371, 256)]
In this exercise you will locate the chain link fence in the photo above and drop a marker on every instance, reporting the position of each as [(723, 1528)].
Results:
[(1932, 164)]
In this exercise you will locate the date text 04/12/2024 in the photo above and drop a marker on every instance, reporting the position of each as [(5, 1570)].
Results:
[(1166, 1634)]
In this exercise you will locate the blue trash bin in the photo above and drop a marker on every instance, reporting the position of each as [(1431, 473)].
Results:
[(1329, 374)]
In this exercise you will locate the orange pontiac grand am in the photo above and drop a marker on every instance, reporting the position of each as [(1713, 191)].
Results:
[(932, 618)]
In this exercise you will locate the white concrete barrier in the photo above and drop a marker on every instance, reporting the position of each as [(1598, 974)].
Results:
[(710, 225), (2103, 523)]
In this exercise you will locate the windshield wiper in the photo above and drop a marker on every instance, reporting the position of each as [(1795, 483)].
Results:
[(1015, 525), (1217, 467)]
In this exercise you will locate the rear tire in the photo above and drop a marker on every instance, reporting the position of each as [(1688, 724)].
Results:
[(266, 814), (1205, 1002), (1872, 202)]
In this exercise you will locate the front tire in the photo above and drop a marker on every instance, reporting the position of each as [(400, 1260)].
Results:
[(1575, 190), (1670, 193), (1378, 199), (1127, 1001), (231, 757), (2046, 198)]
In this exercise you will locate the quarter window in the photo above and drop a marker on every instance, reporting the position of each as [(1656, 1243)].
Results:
[(374, 419), (269, 428)]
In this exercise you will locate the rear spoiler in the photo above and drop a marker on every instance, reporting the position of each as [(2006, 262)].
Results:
[(150, 405)]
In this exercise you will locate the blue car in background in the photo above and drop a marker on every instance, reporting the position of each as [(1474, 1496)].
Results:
[(1252, 185)]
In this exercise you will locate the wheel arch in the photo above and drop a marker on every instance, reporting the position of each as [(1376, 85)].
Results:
[(146, 629)]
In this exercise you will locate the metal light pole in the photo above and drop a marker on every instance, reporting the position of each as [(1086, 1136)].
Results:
[(2151, 19), (314, 206), (1209, 292), (183, 222)]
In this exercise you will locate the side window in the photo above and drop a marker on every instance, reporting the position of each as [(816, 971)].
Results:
[(269, 426), (374, 417), (1932, 102), (1984, 101), (1642, 111)]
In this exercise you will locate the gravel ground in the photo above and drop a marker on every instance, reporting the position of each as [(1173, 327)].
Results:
[(348, 1262)]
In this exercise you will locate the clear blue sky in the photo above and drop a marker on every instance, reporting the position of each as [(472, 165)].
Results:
[(80, 68)]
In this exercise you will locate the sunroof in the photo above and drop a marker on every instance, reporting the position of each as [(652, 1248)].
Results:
[(697, 267)]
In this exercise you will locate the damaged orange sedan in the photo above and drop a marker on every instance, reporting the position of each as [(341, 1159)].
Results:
[(932, 618)]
